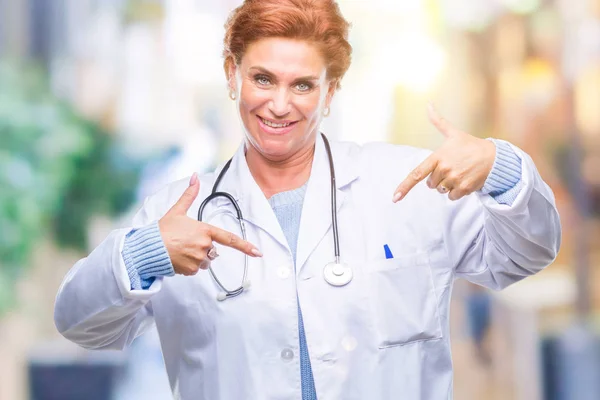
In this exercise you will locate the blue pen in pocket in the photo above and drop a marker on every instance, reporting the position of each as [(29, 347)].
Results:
[(388, 252)]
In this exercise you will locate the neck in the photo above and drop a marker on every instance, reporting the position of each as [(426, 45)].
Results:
[(279, 176)]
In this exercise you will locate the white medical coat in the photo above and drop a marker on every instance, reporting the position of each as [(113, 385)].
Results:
[(383, 336)]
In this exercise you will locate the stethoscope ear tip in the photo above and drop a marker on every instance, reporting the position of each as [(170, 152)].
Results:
[(221, 296)]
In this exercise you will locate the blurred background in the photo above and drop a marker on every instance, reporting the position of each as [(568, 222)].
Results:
[(102, 102)]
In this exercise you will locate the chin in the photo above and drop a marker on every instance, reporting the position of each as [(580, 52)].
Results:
[(272, 147)]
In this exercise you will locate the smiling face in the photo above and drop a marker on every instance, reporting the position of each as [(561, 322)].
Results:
[(282, 90)]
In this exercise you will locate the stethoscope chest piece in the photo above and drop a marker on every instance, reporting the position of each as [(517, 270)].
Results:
[(337, 274)]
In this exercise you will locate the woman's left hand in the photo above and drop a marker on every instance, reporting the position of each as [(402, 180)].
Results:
[(458, 168)]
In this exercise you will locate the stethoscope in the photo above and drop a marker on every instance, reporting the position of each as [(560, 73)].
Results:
[(335, 273)]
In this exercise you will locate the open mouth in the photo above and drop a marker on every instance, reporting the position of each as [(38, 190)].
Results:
[(275, 126)]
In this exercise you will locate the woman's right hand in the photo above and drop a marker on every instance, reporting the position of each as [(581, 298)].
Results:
[(188, 241)]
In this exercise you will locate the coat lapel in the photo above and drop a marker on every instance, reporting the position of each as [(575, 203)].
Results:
[(240, 183)]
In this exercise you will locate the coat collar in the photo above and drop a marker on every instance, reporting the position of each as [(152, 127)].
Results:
[(316, 212)]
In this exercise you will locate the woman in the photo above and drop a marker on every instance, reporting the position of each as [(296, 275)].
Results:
[(374, 326)]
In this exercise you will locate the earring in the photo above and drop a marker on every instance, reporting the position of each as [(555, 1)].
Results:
[(326, 111), (232, 95)]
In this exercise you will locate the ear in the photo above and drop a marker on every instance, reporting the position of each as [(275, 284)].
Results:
[(330, 92), (231, 81)]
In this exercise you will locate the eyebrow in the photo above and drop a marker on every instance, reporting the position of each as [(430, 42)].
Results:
[(302, 78)]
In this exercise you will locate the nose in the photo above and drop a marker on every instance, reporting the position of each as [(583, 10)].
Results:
[(280, 103)]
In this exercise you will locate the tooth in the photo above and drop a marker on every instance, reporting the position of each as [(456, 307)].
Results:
[(274, 125)]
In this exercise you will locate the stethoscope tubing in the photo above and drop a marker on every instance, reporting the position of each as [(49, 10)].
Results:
[(336, 237), (214, 194)]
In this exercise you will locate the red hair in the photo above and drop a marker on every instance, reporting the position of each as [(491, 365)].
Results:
[(318, 21)]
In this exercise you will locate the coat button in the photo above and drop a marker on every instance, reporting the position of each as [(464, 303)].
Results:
[(284, 272), (287, 354), (349, 343)]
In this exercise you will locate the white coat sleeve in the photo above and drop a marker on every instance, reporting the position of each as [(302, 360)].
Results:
[(495, 245), (95, 306)]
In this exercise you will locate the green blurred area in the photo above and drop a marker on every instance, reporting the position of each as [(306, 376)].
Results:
[(56, 171)]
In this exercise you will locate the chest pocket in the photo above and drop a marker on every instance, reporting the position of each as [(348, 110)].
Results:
[(404, 301)]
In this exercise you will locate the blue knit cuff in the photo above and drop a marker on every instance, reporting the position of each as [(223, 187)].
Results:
[(509, 197), (146, 256), (504, 181)]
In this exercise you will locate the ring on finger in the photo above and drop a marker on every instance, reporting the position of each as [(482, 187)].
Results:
[(212, 253), (443, 189)]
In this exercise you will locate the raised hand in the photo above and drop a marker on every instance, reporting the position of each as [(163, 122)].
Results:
[(458, 168), (188, 241)]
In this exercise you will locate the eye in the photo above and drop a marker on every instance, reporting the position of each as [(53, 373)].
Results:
[(303, 86), (262, 80)]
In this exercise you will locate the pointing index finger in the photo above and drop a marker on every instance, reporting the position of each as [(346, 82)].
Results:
[(232, 240), (421, 172)]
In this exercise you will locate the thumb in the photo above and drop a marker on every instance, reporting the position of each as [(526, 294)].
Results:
[(439, 122), (187, 198)]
